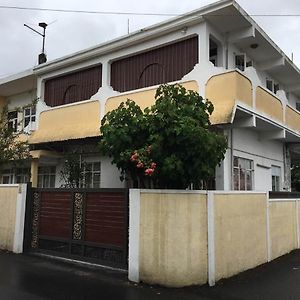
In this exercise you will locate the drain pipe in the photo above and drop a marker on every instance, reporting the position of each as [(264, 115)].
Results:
[(231, 158)]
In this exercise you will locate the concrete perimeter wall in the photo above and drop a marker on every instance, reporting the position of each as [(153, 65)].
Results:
[(12, 216), (181, 238)]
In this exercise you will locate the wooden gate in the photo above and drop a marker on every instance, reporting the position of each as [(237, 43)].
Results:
[(82, 224)]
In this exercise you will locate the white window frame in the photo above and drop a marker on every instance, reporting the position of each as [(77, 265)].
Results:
[(13, 121), (45, 173), (239, 169), (90, 168), (276, 175), (275, 86), (31, 117)]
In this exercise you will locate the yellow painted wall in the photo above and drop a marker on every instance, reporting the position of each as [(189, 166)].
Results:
[(75, 121), (223, 91), (240, 232), (173, 239), (283, 228), (268, 104), (144, 98), (292, 118), (8, 201)]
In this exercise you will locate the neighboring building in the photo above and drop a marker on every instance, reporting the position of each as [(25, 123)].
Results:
[(217, 50)]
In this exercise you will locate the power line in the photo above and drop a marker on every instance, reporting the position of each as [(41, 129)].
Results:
[(87, 11), (135, 13)]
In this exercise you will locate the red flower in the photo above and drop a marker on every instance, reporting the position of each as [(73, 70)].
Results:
[(140, 165), (134, 156), (149, 171), (153, 165)]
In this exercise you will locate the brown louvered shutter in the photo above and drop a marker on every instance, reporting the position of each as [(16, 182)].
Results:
[(162, 65), (73, 87)]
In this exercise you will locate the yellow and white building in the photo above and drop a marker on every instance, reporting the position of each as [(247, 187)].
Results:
[(217, 50)]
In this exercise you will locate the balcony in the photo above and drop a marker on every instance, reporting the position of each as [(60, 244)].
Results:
[(74, 121), (144, 98), (224, 90), (292, 118), (269, 104)]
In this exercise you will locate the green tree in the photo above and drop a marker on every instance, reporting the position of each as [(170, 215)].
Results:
[(13, 148), (169, 145)]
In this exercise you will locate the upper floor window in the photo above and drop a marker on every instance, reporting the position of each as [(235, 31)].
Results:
[(272, 85), (242, 61), (74, 87), (242, 174), (161, 65), (29, 115), (13, 120)]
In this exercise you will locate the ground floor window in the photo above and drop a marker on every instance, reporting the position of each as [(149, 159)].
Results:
[(242, 174), (18, 175), (276, 175), (46, 177), (92, 175), (7, 176)]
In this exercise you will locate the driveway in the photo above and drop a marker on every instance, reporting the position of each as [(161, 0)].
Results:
[(29, 277)]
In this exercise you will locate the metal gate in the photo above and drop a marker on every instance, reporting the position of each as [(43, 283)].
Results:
[(83, 224)]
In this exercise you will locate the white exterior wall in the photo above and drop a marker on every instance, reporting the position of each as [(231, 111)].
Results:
[(264, 153), (110, 176)]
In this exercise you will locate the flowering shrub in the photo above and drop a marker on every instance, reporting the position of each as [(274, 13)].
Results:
[(169, 145)]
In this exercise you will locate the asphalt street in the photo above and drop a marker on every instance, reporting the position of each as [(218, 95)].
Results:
[(30, 277)]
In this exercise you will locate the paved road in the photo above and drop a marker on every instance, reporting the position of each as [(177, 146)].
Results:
[(31, 278)]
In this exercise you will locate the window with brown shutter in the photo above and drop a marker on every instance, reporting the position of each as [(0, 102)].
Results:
[(162, 65), (74, 87)]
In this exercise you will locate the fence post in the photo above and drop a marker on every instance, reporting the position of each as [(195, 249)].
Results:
[(269, 241), (20, 219), (211, 238), (134, 235)]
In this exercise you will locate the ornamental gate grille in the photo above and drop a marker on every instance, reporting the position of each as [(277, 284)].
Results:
[(83, 224)]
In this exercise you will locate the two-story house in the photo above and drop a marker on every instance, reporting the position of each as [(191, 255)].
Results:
[(217, 50)]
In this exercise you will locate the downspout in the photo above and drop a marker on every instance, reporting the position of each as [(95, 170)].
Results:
[(226, 51), (231, 158)]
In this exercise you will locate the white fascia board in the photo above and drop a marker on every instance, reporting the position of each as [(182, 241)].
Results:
[(17, 76), (136, 37)]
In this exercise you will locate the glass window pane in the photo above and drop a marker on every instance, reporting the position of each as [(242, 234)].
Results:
[(97, 166), (236, 161), (242, 180), (249, 180), (236, 179), (52, 181), (46, 181)]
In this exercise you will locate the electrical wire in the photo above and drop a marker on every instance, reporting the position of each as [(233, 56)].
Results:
[(134, 13)]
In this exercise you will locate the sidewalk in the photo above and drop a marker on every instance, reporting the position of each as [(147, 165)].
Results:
[(30, 278)]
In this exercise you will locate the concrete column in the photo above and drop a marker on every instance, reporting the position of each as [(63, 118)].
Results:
[(287, 168), (203, 44), (34, 172)]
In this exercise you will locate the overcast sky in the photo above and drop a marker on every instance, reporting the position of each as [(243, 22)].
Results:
[(71, 32)]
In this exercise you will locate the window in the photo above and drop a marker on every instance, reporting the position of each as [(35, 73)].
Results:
[(92, 175), (7, 176), (28, 115), (240, 61), (22, 175), (46, 176), (13, 120), (242, 174), (276, 174), (272, 86), (213, 52)]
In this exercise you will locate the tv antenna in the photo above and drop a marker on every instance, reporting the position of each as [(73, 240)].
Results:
[(42, 56)]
